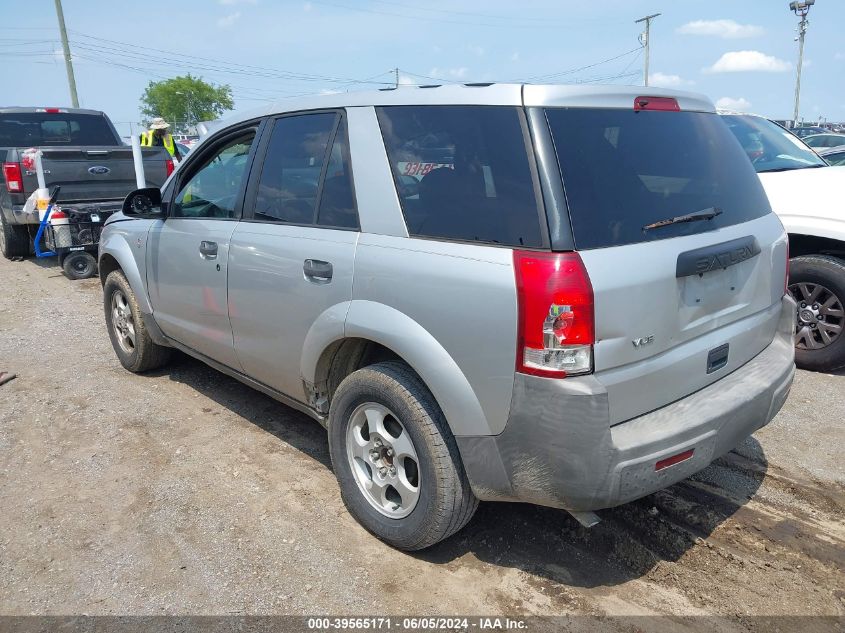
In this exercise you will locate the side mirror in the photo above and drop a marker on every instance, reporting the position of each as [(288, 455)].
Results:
[(143, 203)]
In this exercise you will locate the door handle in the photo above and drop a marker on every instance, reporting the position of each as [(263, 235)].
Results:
[(317, 271), (208, 250)]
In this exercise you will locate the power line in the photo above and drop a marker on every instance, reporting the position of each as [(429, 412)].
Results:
[(503, 25), (580, 68)]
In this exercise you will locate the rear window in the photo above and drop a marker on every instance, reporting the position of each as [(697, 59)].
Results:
[(463, 173), (623, 170), (55, 130)]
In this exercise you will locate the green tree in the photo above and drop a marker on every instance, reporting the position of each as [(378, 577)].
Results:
[(185, 100)]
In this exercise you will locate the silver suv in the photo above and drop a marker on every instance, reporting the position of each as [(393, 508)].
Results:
[(569, 296)]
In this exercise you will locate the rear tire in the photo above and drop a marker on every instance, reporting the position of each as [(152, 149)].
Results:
[(817, 283), (79, 265), (14, 239), (405, 420), (128, 333)]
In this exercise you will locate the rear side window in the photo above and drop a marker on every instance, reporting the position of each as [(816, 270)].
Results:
[(290, 176), (463, 173), (305, 177), (624, 170), (55, 130)]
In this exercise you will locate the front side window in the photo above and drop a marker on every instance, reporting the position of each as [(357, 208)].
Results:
[(212, 190), (463, 173)]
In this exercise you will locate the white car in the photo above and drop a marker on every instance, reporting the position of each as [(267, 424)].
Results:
[(807, 194)]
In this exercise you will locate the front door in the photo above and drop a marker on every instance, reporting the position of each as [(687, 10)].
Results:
[(291, 258), (188, 252)]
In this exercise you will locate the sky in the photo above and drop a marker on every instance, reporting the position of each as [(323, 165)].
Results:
[(742, 54)]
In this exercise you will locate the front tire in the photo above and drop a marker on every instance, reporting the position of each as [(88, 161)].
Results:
[(817, 283), (397, 462), (14, 239), (128, 333)]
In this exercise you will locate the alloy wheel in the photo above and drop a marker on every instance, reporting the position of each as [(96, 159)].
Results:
[(820, 315), (123, 322), (383, 460)]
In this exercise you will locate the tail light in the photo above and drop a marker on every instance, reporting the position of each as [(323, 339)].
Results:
[(555, 332), (14, 179), (665, 104), (169, 166), (786, 275)]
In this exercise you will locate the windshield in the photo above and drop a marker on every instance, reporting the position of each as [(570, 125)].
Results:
[(48, 129), (769, 146), (624, 171)]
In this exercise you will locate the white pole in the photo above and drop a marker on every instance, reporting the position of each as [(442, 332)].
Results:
[(138, 157), (39, 171)]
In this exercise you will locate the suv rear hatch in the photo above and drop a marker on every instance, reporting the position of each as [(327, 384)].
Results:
[(678, 304)]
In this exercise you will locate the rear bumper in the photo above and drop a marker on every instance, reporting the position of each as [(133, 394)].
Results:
[(559, 449)]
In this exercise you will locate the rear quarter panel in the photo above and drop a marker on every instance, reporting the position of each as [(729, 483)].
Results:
[(461, 296)]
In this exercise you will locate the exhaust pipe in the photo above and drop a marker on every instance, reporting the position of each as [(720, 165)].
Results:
[(587, 519)]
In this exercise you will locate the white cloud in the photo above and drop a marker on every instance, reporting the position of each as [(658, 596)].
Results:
[(405, 80), (515, 56), (748, 61), (233, 2), (726, 29), (839, 56), (740, 104), (454, 73), (478, 51), (664, 80), (229, 20), (307, 7)]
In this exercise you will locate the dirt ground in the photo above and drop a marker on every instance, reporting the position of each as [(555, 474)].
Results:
[(184, 492)]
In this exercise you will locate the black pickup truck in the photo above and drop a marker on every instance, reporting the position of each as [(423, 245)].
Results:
[(81, 151)]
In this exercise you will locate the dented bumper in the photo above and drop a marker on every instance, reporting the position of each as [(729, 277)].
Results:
[(559, 449)]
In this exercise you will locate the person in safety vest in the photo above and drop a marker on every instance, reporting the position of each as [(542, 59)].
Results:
[(158, 136)]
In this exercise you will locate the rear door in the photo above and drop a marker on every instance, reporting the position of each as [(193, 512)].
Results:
[(291, 257), (678, 304), (188, 252)]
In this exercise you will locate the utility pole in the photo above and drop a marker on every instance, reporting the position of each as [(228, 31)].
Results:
[(801, 9), (396, 73), (71, 80), (645, 40)]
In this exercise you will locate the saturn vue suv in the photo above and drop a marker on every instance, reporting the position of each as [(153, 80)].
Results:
[(563, 295)]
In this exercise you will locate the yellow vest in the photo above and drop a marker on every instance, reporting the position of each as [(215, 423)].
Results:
[(167, 141)]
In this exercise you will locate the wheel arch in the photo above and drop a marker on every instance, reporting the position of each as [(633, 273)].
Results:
[(803, 244), (372, 332), (116, 254)]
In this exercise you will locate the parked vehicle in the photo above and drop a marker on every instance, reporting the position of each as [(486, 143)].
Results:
[(833, 155), (807, 195), (817, 141), (82, 153), (801, 132), (404, 267)]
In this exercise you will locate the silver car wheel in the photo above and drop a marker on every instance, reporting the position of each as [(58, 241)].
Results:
[(383, 460), (820, 315), (123, 322)]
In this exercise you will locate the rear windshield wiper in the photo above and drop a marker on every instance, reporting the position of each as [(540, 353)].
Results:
[(704, 214)]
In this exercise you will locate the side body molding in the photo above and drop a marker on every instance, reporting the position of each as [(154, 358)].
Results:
[(407, 338)]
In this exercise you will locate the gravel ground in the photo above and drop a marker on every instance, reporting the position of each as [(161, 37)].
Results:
[(184, 492)]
